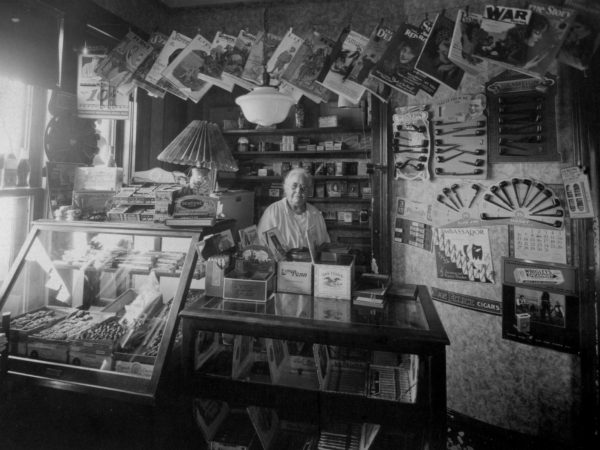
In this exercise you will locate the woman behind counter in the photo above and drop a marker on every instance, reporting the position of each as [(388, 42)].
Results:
[(292, 215)]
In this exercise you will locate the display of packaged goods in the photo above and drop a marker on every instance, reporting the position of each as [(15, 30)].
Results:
[(24, 325), (339, 375), (255, 286), (371, 290), (284, 367), (395, 383), (295, 277), (334, 280)]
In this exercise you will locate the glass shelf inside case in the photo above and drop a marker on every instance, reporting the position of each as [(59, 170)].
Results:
[(95, 308)]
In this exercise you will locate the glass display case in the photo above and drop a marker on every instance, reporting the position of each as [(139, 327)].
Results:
[(295, 351), (94, 305)]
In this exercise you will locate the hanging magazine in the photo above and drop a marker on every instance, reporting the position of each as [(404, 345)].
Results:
[(253, 70), (396, 67), (433, 60), (525, 40), (583, 37), (361, 73), (235, 60), (342, 63), (120, 64), (210, 58), (183, 71), (306, 65), (466, 31), (170, 50), (282, 56), (157, 41)]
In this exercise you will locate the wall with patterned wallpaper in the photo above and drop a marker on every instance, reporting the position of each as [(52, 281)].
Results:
[(508, 384), (148, 15)]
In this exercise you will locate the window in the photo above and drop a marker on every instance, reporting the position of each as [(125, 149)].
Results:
[(16, 205)]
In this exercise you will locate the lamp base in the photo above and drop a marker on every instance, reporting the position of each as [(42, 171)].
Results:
[(202, 180)]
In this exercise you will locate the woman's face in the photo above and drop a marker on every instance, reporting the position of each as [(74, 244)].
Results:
[(406, 54), (535, 36)]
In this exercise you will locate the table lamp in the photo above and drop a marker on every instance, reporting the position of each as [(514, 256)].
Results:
[(202, 146)]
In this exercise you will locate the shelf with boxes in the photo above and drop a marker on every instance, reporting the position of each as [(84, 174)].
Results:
[(294, 351)]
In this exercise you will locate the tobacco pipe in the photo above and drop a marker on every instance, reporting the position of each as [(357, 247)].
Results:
[(477, 163), (441, 199), (495, 190), (444, 150), (425, 143), (540, 187), (555, 204), (447, 192), (531, 139), (527, 183), (547, 194), (533, 118), (514, 183), (502, 185), (490, 199), (454, 188), (519, 130), (477, 189), (439, 123), (514, 100), (557, 213), (475, 133), (555, 224), (421, 150), (521, 107), (485, 216), (441, 159), (440, 132), (440, 171)]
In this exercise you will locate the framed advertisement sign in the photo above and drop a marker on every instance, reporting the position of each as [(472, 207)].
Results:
[(540, 304)]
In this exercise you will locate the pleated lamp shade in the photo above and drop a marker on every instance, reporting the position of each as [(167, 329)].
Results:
[(200, 144)]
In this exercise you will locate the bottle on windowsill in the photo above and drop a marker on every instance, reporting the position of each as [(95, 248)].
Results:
[(110, 162), (9, 173), (23, 169)]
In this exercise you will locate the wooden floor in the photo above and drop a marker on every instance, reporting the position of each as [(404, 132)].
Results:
[(48, 419)]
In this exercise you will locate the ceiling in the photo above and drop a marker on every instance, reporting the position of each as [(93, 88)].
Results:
[(204, 3)]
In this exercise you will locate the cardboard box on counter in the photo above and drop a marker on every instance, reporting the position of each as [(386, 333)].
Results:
[(335, 279), (295, 277), (98, 179)]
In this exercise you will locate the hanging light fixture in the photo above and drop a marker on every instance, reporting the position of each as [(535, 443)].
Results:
[(265, 105)]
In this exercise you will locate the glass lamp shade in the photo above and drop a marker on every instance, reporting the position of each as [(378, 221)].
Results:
[(265, 106)]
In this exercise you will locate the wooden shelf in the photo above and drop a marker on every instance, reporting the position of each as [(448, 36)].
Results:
[(277, 178), (354, 226), (300, 154), (322, 199), (295, 131)]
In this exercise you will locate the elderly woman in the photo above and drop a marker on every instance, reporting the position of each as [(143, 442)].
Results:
[(292, 215)]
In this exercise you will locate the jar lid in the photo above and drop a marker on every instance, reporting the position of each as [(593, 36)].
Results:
[(242, 140)]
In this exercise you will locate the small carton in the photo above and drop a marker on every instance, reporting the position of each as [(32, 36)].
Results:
[(523, 322), (256, 286), (335, 279), (215, 275), (295, 277)]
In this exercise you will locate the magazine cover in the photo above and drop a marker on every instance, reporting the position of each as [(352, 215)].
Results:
[(583, 37), (434, 61), (253, 70), (282, 56), (157, 41), (396, 67), (184, 70), (525, 40), (306, 65), (96, 98), (213, 59), (361, 73), (378, 42), (120, 64), (342, 63), (235, 60), (466, 31), (170, 50)]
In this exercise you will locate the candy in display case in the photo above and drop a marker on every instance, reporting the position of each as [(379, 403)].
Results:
[(94, 305)]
